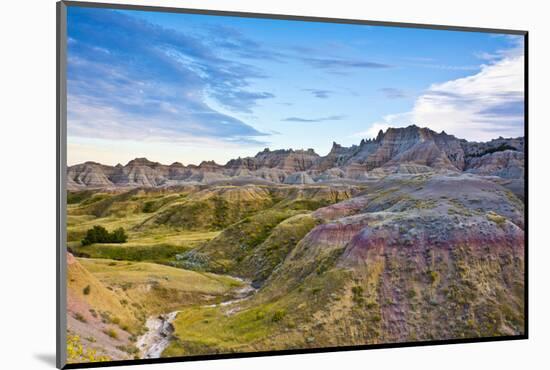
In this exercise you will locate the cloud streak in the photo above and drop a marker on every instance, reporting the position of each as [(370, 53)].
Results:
[(140, 81), (343, 65), (478, 107), (319, 93), (393, 93), (313, 120)]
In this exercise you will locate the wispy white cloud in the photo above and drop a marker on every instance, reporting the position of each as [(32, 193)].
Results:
[(514, 51), (310, 120), (144, 82), (478, 107), (446, 67), (343, 66), (393, 93), (320, 93)]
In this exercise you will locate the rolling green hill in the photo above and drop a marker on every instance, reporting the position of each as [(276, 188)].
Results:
[(264, 267)]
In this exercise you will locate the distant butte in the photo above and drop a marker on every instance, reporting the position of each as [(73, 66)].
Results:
[(409, 150)]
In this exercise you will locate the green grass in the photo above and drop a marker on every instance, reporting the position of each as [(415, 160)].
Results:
[(266, 256), (261, 320), (152, 248), (496, 218), (156, 288), (311, 295), (236, 243), (77, 225), (83, 286), (78, 197), (77, 353), (215, 208), (160, 253), (206, 330), (111, 333), (159, 244)]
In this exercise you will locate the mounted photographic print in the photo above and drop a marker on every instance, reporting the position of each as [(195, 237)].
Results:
[(235, 184)]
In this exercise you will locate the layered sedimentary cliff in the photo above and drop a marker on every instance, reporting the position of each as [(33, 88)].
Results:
[(398, 150)]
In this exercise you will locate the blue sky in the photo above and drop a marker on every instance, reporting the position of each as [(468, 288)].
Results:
[(187, 88)]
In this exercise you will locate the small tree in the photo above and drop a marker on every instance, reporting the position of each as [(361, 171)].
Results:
[(98, 234), (119, 236)]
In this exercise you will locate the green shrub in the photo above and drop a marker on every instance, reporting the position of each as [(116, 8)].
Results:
[(357, 292), (130, 349), (77, 353), (98, 234), (111, 333), (86, 290), (315, 290), (496, 218), (376, 318), (148, 207), (260, 315), (433, 276), (80, 317), (372, 305), (278, 315), (119, 236), (77, 197)]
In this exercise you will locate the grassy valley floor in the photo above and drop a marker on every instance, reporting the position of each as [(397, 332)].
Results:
[(219, 269)]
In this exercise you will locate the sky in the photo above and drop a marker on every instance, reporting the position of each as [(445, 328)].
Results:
[(187, 88)]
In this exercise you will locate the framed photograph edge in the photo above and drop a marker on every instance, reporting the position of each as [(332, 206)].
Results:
[(61, 185)]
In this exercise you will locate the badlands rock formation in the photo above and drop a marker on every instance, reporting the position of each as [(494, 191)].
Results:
[(398, 150)]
